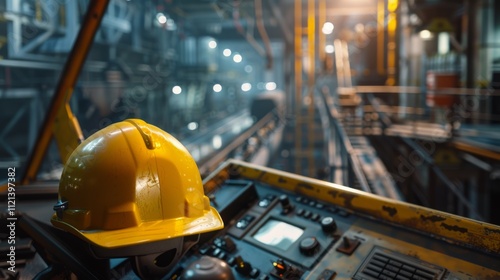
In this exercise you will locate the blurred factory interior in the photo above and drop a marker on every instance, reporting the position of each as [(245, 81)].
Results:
[(393, 97)]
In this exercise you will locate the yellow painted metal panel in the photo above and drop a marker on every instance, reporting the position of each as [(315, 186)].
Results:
[(440, 225)]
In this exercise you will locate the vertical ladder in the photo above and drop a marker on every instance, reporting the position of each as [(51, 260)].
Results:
[(304, 111)]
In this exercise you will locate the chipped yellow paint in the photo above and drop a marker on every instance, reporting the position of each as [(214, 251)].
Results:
[(470, 233)]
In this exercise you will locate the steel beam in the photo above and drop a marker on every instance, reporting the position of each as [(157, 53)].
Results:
[(74, 64)]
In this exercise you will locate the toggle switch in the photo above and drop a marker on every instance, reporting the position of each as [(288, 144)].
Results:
[(280, 266), (225, 243), (348, 245), (283, 270)]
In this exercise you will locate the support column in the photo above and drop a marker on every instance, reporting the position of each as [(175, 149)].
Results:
[(471, 52)]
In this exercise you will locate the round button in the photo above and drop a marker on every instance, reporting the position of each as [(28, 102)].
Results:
[(264, 203), (328, 224), (308, 246), (208, 268)]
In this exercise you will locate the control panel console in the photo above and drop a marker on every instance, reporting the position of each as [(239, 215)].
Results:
[(271, 233)]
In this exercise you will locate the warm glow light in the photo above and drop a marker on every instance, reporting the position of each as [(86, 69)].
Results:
[(392, 5), (226, 52), (237, 58), (392, 22), (176, 89), (217, 88), (425, 34), (246, 87), (327, 28)]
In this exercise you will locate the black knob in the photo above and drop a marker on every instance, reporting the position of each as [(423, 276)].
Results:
[(285, 204), (309, 246), (328, 224)]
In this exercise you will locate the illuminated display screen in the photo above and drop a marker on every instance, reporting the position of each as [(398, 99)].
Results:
[(278, 234)]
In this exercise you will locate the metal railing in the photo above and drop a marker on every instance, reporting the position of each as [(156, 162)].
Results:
[(345, 167), (426, 161), (240, 146)]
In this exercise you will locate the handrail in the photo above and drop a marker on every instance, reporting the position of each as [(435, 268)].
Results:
[(346, 144), (209, 163), (427, 159), (444, 179), (219, 128), (418, 90)]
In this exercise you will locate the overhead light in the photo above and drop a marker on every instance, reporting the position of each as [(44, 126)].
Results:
[(246, 86), (237, 58), (327, 28), (248, 68), (192, 125), (443, 42), (329, 49), (217, 88), (161, 18), (271, 86), (415, 20), (171, 26), (217, 141), (212, 44), (226, 52), (176, 89), (425, 34)]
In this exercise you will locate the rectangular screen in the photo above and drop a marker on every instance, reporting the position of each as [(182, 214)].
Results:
[(278, 234)]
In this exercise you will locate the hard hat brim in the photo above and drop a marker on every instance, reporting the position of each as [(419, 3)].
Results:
[(146, 232)]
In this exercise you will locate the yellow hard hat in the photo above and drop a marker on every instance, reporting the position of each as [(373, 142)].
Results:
[(132, 183)]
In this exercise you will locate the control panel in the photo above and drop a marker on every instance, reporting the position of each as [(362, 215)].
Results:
[(279, 225), (271, 233)]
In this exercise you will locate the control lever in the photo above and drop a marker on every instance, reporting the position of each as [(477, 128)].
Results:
[(348, 245), (225, 243), (242, 266), (287, 207)]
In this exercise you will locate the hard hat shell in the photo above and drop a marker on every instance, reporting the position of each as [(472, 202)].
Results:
[(132, 183)]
